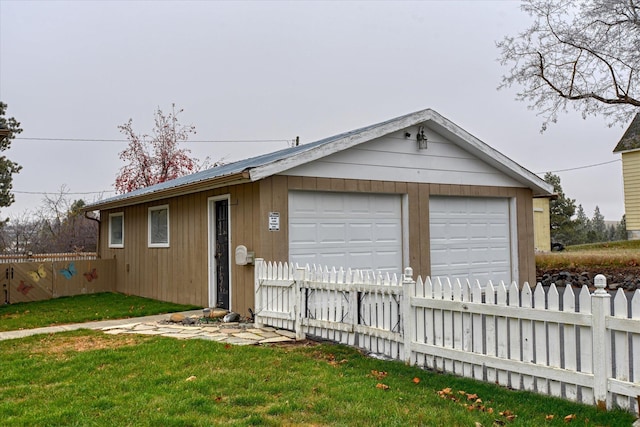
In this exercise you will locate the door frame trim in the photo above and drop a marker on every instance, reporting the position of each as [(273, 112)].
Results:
[(211, 240)]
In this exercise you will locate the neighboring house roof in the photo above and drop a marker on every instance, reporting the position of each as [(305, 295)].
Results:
[(631, 138), (256, 168)]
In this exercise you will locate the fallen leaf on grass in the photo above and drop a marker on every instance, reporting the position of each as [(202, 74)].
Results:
[(549, 417), (472, 396), (379, 375), (191, 378), (569, 418), (416, 380), (382, 386)]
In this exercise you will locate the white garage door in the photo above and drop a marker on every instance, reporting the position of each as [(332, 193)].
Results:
[(349, 230), (471, 238)]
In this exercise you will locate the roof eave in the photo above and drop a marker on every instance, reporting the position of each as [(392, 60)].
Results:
[(210, 184)]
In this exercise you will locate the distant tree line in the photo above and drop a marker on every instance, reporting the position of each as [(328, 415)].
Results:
[(58, 225), (570, 225)]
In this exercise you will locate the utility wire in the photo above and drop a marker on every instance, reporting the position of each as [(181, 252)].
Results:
[(41, 193), (579, 167), (126, 140)]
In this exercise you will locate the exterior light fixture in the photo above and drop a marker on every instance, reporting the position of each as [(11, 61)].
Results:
[(422, 139)]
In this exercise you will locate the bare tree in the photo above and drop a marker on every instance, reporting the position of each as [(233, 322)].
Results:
[(583, 53), (21, 234), (63, 227)]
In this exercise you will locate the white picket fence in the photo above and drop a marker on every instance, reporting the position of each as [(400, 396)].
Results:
[(579, 347)]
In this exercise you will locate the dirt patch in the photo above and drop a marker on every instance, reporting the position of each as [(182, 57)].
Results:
[(59, 345)]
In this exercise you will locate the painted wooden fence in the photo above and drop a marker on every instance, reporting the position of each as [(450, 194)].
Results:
[(576, 346), (46, 279)]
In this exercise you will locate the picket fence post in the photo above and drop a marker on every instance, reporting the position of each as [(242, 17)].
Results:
[(258, 265), (600, 308), (300, 276), (408, 315)]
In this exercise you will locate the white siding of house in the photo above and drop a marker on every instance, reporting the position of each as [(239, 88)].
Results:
[(396, 158)]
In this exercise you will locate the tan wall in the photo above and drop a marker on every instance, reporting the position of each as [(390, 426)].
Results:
[(542, 224), (180, 273), (631, 174)]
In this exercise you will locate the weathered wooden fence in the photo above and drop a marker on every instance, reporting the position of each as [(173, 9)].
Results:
[(54, 275), (579, 347)]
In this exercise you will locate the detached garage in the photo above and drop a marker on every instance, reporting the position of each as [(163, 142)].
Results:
[(414, 191)]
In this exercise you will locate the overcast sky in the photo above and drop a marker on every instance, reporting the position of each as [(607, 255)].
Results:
[(270, 71)]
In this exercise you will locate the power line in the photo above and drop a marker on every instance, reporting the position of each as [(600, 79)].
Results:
[(579, 167), (126, 140), (44, 193)]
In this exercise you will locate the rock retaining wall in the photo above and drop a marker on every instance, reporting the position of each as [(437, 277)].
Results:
[(628, 278)]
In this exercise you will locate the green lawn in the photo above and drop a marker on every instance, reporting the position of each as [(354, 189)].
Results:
[(81, 308), (88, 378)]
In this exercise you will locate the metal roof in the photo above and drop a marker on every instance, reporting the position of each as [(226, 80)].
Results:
[(258, 167)]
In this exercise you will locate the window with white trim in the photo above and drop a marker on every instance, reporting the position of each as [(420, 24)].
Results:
[(116, 230), (159, 226)]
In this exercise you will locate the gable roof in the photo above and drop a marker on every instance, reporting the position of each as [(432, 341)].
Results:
[(631, 138), (259, 167)]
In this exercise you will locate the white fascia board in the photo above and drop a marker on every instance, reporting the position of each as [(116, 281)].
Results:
[(493, 157), (626, 151)]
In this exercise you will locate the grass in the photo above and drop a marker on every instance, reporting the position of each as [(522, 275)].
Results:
[(92, 379), (81, 308), (622, 254)]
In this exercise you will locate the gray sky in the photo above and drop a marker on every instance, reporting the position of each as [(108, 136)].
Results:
[(265, 71)]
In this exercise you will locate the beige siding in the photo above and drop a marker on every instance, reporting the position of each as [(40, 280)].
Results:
[(631, 174), (180, 273), (276, 244), (542, 224)]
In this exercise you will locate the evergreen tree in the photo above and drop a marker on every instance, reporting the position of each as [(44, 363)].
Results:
[(7, 167), (581, 227), (598, 228), (561, 210), (621, 229)]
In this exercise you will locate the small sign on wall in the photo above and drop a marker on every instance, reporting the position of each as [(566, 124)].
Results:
[(274, 221)]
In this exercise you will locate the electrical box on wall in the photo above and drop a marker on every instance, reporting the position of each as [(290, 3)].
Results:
[(244, 257)]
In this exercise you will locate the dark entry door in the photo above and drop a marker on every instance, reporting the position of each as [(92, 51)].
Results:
[(222, 253)]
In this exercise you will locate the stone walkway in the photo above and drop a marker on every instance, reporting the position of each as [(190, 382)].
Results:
[(230, 333)]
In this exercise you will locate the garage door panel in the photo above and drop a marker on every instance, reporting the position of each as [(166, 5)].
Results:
[(350, 230), (470, 237)]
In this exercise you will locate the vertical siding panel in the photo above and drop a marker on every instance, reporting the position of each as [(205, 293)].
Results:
[(424, 231), (281, 204), (309, 183), (351, 185), (323, 184), (415, 236), (401, 187), (337, 184), (526, 255), (364, 186), (377, 186), (266, 237)]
